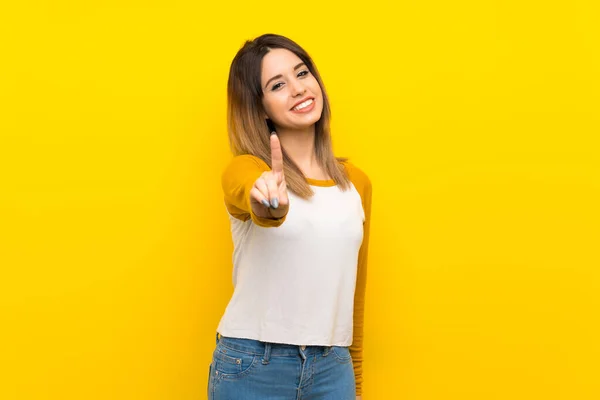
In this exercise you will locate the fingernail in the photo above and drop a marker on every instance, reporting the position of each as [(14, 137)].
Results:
[(275, 202), (265, 203)]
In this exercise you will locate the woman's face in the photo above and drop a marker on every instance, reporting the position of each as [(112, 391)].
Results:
[(292, 96)]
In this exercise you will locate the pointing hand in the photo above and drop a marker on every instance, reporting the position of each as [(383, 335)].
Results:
[(268, 196)]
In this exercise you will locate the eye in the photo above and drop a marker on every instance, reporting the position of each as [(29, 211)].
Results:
[(300, 74)]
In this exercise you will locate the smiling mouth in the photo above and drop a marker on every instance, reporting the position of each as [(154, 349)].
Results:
[(304, 105)]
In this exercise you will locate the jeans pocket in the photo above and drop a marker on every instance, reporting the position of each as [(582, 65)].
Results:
[(232, 364), (341, 354)]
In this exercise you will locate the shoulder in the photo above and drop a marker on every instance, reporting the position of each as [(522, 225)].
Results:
[(357, 176), (241, 170), (362, 184), (247, 161), (245, 164)]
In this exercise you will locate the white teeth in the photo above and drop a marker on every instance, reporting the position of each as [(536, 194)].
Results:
[(302, 105)]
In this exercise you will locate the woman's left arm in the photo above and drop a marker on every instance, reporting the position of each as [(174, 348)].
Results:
[(363, 184)]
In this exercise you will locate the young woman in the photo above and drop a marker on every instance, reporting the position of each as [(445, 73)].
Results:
[(300, 219)]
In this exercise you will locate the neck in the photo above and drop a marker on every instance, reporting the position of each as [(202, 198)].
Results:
[(300, 146)]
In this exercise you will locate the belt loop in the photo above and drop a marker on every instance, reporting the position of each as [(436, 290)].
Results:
[(267, 354), (217, 338)]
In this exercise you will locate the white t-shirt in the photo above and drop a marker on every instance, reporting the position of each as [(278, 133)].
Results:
[(295, 283)]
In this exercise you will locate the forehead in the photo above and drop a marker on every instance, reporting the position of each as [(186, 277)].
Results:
[(278, 61)]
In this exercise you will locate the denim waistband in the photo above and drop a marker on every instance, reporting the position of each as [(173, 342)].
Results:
[(252, 346)]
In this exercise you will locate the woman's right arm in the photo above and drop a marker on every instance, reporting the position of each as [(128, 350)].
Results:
[(252, 190)]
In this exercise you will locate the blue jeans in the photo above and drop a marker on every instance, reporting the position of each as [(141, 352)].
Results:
[(246, 369)]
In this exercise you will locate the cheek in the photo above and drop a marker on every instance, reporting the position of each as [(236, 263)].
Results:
[(315, 86), (277, 103), (268, 104), (274, 106)]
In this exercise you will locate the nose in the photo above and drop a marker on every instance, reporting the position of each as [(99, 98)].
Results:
[(298, 89)]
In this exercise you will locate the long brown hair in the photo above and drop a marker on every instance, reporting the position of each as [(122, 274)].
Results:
[(247, 128)]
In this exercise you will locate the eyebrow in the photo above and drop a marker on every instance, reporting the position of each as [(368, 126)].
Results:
[(279, 76)]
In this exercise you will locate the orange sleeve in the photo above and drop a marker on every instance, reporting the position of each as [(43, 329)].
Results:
[(364, 188), (237, 181)]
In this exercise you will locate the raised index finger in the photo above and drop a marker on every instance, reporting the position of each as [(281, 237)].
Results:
[(276, 155)]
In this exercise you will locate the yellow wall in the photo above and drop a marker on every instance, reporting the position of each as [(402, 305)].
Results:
[(477, 124)]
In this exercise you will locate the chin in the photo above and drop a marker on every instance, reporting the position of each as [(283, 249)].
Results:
[(315, 117), (308, 123)]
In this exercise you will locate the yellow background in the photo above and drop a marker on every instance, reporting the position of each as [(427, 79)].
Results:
[(477, 122)]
